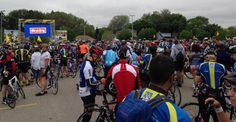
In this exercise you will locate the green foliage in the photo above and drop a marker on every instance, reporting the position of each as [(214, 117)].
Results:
[(125, 34), (118, 23), (107, 35), (185, 34), (147, 33), (63, 21), (231, 32)]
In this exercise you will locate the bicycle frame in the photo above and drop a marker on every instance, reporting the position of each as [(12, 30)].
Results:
[(12, 84)]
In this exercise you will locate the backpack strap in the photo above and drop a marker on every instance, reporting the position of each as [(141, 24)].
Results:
[(158, 100), (137, 93)]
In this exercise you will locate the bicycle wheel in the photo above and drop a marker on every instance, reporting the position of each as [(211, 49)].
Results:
[(175, 95), (95, 114), (189, 75), (187, 72), (11, 100), (20, 89), (54, 85), (193, 110), (98, 115)]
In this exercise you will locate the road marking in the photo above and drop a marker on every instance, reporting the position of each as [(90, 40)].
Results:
[(20, 106)]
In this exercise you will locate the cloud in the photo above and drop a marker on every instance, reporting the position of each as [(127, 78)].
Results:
[(100, 12)]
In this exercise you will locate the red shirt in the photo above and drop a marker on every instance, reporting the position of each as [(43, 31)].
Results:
[(125, 77)]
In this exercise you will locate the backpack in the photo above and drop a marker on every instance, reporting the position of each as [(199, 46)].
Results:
[(137, 110), (180, 57), (110, 58)]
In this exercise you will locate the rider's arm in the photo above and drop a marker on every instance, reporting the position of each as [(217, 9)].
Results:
[(221, 115)]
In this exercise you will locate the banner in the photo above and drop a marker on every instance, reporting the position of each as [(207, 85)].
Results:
[(35, 30)]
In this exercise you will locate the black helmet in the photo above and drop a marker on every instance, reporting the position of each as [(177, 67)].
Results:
[(209, 51), (231, 78)]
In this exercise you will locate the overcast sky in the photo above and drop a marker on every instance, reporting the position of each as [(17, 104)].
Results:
[(100, 12)]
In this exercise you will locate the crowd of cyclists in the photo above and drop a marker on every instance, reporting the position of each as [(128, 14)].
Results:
[(148, 67)]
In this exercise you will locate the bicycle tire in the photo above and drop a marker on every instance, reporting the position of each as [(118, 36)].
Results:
[(94, 111), (188, 75), (187, 72), (11, 100), (176, 95), (193, 111), (54, 85), (20, 89)]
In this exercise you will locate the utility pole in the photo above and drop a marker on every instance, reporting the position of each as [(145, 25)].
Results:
[(1, 12), (132, 17), (84, 32)]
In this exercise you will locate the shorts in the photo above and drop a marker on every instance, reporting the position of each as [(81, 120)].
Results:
[(36, 73), (179, 66), (23, 67), (63, 62), (5, 80)]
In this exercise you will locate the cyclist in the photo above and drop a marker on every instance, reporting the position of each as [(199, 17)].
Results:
[(110, 58), (89, 80), (23, 58), (8, 72), (124, 76), (232, 50), (126, 50), (211, 74), (161, 76), (44, 65), (35, 62), (84, 49), (222, 116), (63, 58), (178, 55)]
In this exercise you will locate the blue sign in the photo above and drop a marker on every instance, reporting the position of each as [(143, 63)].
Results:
[(35, 30)]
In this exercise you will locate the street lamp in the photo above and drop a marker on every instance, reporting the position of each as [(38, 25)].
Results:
[(1, 12), (132, 17)]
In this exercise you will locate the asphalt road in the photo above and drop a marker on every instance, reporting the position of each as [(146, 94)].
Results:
[(66, 106)]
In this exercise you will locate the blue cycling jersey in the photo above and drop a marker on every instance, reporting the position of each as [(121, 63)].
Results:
[(166, 111), (135, 59), (212, 73)]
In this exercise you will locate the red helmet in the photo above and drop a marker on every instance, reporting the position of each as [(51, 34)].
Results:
[(97, 50)]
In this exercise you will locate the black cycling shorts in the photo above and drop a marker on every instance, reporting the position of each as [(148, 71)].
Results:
[(23, 67), (63, 62)]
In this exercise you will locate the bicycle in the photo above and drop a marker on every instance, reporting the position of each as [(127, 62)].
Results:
[(14, 88), (175, 94), (100, 113), (193, 107), (52, 82), (72, 67), (187, 70)]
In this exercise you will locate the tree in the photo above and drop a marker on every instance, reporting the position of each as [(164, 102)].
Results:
[(118, 23), (185, 34), (213, 29), (147, 33), (124, 34), (142, 23), (107, 36)]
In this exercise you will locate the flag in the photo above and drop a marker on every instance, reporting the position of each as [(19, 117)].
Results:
[(39, 40)]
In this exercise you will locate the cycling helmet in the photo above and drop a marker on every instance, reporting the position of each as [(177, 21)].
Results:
[(96, 50), (232, 49), (231, 78), (209, 51)]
